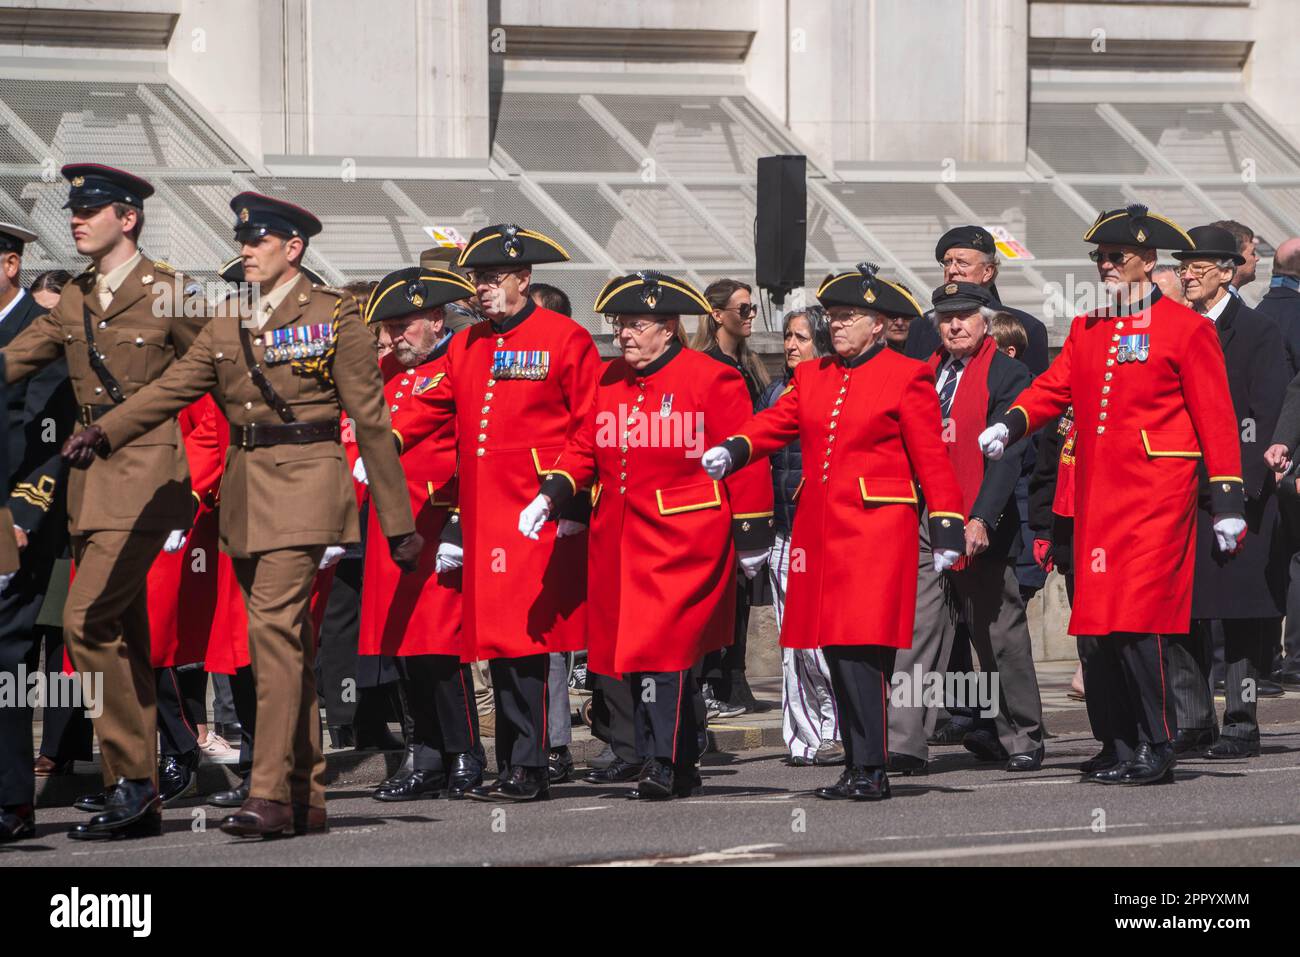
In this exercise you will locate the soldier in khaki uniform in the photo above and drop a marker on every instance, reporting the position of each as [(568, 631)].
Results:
[(281, 377), (120, 324)]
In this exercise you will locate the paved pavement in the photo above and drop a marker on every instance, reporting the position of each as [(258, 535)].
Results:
[(756, 810)]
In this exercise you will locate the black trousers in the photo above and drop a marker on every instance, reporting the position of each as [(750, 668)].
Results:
[(19, 658), (1248, 646), (353, 688), (68, 735), (663, 711), (439, 696), (244, 694), (860, 676), (724, 669), (611, 716), (520, 692), (1128, 675), (182, 706)]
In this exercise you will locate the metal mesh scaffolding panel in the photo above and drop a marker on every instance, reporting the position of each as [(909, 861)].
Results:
[(581, 286), (1073, 138), (1201, 139), (905, 218), (552, 132), (1172, 202), (676, 223), (1032, 213), (691, 136), (609, 226)]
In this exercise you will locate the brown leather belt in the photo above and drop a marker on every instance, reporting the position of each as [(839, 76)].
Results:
[(261, 434), (87, 414)]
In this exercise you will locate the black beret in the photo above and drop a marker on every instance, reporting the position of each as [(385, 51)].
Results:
[(233, 271), (1211, 242), (651, 294), (509, 245), (415, 289), (864, 289), (13, 238), (1135, 225), (93, 185), (256, 215), (961, 297), (966, 237)]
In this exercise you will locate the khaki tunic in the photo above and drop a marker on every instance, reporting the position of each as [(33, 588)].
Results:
[(285, 496), (146, 485)]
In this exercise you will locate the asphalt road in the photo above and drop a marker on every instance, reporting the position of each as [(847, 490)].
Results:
[(756, 810)]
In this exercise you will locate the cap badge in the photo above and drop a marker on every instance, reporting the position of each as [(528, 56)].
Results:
[(512, 251), (415, 294), (243, 215), (78, 181), (869, 295), (1141, 235), (303, 297), (950, 289)]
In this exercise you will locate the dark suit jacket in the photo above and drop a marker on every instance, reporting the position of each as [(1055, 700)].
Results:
[(996, 501), (923, 339), (1282, 305), (1251, 584)]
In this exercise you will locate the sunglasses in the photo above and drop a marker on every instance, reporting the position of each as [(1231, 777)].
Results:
[(1115, 258), (744, 310)]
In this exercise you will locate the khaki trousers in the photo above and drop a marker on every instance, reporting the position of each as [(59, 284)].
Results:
[(106, 631), (287, 762)]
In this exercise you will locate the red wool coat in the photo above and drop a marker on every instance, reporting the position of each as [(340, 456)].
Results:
[(417, 613), (661, 561), (869, 429), (1150, 396), (520, 394)]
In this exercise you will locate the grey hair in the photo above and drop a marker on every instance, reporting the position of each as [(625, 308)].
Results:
[(989, 313), (818, 324)]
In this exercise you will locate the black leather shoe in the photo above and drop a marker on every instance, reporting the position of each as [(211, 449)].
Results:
[(1103, 759), (466, 773), (1111, 775), (94, 803), (132, 810), (1228, 748), (17, 823), (520, 784), (1289, 681), (235, 797), (868, 784), (1268, 688), (985, 746), (559, 765), (604, 759), (907, 764), (413, 786), (1027, 761), (687, 782), (342, 736), (1153, 764), (178, 777), (615, 773), (403, 769), (839, 791), (655, 783), (950, 733), (1190, 740)]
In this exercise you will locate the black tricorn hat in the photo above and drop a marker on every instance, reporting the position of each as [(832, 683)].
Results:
[(509, 245), (862, 288), (256, 215), (1135, 225), (1211, 242), (233, 271), (415, 289), (649, 293), (92, 185)]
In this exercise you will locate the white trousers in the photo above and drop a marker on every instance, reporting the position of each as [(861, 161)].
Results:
[(807, 703)]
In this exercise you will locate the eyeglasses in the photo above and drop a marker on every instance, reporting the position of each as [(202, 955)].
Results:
[(1195, 272), (958, 264), (635, 325), (744, 310), (490, 278), (1116, 258), (845, 318)]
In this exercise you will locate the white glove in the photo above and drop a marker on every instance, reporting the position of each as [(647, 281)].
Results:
[(359, 472), (6, 579), (993, 440), (752, 560), (175, 540), (333, 553), (1228, 530), (534, 517), (449, 558), (716, 461), (569, 527), (945, 558)]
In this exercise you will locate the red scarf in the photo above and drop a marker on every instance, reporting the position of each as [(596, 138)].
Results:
[(967, 418)]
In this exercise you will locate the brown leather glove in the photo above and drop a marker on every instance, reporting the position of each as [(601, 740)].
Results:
[(80, 450), (405, 550)]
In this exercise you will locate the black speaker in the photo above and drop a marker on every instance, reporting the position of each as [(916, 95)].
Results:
[(781, 233)]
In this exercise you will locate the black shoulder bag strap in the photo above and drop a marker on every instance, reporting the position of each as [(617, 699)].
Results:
[(259, 378), (111, 385)]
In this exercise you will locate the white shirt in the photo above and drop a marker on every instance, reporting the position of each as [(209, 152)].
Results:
[(13, 303), (1217, 309), (945, 370)]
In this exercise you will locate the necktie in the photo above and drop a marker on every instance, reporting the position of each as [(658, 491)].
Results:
[(949, 388), (102, 292)]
